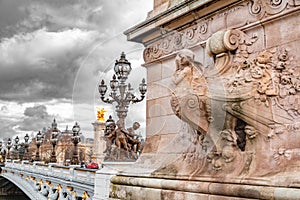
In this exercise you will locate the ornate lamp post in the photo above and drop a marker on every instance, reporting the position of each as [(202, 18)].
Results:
[(8, 145), (38, 144), (26, 145), (121, 93), (16, 150), (53, 141), (75, 140)]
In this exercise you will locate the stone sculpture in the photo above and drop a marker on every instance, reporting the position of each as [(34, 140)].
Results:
[(121, 143), (134, 139), (258, 99)]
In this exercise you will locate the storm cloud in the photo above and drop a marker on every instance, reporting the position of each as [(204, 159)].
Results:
[(55, 51)]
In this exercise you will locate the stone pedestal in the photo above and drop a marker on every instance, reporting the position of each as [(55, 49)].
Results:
[(103, 178), (99, 142)]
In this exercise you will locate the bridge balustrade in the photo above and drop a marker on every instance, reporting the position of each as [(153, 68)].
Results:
[(50, 181)]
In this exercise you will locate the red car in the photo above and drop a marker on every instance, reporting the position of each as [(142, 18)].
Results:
[(92, 165)]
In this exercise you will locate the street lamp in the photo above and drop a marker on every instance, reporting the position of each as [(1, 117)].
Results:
[(16, 151), (75, 140), (26, 145), (8, 145), (38, 144), (53, 140), (121, 93)]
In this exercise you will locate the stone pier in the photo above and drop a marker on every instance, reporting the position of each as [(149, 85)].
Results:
[(223, 119), (99, 142)]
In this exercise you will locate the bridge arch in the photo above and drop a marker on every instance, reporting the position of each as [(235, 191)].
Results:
[(10, 191)]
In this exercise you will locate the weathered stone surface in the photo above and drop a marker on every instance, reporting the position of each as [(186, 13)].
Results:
[(159, 89), (283, 31), (159, 107), (168, 68), (154, 73), (153, 144), (166, 124), (235, 100)]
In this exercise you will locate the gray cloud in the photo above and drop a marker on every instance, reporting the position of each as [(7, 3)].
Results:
[(11, 13), (8, 130), (108, 17), (39, 111), (48, 70), (49, 46), (36, 118)]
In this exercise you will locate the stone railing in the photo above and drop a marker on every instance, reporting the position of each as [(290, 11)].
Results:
[(41, 181)]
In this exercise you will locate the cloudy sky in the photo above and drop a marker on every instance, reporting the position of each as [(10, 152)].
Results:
[(54, 53)]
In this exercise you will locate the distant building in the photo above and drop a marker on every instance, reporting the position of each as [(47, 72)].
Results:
[(64, 148)]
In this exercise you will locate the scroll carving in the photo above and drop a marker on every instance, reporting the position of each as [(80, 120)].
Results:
[(174, 40), (222, 43), (263, 9), (177, 40)]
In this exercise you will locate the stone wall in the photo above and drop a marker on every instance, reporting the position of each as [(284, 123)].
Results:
[(243, 127)]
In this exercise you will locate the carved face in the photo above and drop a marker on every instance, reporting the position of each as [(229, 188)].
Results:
[(181, 61), (110, 127), (183, 58), (217, 164), (228, 153), (136, 125)]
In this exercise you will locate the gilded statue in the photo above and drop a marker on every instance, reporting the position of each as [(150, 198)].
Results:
[(100, 114)]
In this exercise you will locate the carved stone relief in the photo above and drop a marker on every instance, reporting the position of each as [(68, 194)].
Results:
[(263, 9), (203, 28), (261, 104)]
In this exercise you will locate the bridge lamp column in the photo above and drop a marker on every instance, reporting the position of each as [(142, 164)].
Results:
[(8, 145), (121, 92), (26, 145), (16, 150), (53, 141), (75, 140), (38, 144)]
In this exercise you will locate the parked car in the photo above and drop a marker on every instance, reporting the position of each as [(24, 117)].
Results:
[(92, 165)]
